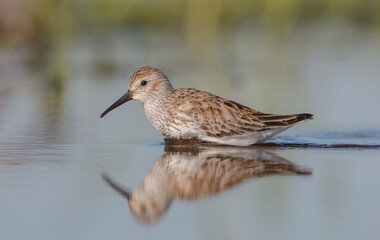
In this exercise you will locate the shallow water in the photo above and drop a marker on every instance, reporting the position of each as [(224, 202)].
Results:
[(54, 149)]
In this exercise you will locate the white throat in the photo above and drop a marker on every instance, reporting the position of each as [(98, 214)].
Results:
[(157, 114)]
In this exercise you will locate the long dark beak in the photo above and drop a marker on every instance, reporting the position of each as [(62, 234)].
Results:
[(125, 98), (124, 192)]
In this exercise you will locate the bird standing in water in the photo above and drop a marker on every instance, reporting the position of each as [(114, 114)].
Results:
[(188, 113)]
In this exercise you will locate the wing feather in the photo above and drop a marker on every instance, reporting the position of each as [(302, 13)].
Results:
[(220, 117)]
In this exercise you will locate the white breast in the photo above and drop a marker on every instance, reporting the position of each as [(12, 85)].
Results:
[(176, 125), (156, 114)]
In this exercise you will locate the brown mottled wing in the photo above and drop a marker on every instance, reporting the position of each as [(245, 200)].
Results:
[(220, 117)]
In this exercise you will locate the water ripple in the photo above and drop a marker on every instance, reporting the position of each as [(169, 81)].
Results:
[(365, 139), (360, 140), (318, 146)]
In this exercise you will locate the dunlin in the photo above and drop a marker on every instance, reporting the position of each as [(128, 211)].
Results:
[(188, 113)]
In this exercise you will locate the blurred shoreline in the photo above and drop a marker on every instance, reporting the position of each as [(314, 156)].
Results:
[(30, 22)]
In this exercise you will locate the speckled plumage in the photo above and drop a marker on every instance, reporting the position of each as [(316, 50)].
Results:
[(193, 114)]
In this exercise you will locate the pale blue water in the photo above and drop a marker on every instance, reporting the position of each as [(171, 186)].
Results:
[(54, 147)]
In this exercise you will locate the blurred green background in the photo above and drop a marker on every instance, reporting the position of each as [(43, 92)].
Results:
[(290, 49), (31, 22), (47, 26)]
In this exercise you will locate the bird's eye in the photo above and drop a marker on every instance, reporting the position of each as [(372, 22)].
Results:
[(143, 83)]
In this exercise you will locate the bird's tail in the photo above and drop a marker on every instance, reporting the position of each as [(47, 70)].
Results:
[(275, 121)]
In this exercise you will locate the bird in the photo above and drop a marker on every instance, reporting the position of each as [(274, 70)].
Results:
[(188, 174), (188, 113)]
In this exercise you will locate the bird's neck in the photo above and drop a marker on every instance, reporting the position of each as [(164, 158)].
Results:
[(157, 100), (156, 111)]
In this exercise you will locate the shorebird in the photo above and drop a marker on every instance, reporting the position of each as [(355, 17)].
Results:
[(189, 174), (188, 113)]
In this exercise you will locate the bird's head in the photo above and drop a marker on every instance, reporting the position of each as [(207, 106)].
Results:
[(146, 84)]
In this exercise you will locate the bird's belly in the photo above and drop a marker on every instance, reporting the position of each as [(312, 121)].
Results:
[(247, 139), (177, 129)]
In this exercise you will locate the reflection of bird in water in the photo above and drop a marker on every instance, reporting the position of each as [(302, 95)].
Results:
[(189, 174)]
